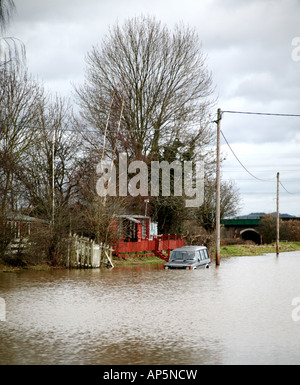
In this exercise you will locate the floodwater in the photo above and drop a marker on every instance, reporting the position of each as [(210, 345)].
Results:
[(243, 312)]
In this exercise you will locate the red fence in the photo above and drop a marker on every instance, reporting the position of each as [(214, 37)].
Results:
[(158, 243)]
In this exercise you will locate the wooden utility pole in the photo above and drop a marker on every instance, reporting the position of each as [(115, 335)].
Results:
[(218, 219), (53, 178), (277, 219)]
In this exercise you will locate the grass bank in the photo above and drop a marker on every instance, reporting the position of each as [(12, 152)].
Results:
[(134, 260), (226, 252), (129, 260), (252, 250), (11, 269)]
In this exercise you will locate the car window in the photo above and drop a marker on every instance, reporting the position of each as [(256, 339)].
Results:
[(175, 255), (190, 255), (178, 256), (182, 255)]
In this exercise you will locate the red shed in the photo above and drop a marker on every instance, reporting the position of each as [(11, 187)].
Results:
[(139, 233)]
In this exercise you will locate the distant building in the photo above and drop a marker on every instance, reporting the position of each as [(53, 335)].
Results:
[(247, 226)]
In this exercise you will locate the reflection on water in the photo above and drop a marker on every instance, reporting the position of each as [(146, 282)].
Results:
[(239, 313)]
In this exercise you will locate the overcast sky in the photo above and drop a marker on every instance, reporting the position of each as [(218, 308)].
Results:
[(249, 50)]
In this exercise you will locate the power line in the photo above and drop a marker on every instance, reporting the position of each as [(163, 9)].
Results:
[(286, 189), (253, 176), (97, 131), (282, 169), (264, 114), (25, 126), (261, 113)]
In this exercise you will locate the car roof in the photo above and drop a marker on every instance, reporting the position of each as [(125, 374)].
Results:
[(190, 248)]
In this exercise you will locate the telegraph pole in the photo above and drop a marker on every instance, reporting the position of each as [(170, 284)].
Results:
[(277, 219), (218, 219), (53, 182)]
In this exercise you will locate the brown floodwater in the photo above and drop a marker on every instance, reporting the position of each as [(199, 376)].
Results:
[(239, 313)]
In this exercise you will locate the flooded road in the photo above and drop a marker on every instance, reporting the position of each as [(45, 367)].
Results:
[(239, 313)]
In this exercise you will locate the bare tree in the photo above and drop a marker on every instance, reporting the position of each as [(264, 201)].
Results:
[(50, 166), (157, 81), (12, 50), (20, 101), (47, 176), (90, 217), (162, 77), (230, 201)]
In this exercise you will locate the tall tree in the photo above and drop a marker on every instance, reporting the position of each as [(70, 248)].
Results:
[(157, 81), (20, 102), (47, 174), (162, 77)]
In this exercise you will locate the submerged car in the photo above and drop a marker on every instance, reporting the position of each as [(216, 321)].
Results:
[(188, 257)]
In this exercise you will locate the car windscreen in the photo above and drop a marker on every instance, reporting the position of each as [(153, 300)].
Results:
[(182, 255)]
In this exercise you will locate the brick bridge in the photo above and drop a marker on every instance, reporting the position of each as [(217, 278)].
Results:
[(246, 227)]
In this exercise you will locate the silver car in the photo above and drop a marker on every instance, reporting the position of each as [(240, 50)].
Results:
[(188, 257)]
